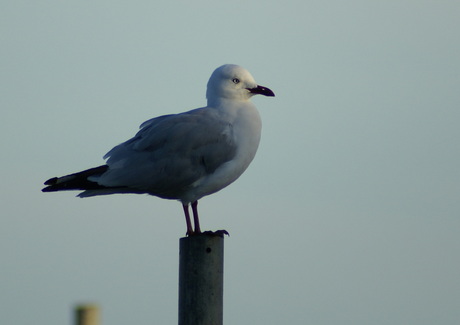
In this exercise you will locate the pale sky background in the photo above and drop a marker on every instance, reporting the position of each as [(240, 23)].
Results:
[(350, 213)]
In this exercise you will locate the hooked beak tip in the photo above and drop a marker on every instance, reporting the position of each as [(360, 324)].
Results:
[(260, 90)]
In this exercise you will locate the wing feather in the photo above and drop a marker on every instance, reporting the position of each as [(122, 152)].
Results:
[(170, 153)]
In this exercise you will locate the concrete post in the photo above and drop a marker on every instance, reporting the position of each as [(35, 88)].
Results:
[(87, 315), (201, 280)]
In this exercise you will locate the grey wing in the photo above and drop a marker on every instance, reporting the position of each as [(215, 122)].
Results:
[(170, 153), (147, 126)]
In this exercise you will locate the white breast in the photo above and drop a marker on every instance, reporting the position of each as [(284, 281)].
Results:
[(246, 125)]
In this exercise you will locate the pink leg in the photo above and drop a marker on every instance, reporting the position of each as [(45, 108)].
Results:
[(187, 220), (195, 217)]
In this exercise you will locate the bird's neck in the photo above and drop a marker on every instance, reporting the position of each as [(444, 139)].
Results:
[(225, 102)]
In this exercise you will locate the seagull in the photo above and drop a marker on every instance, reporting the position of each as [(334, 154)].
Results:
[(183, 156)]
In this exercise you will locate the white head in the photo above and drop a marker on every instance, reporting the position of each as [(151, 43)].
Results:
[(233, 82)]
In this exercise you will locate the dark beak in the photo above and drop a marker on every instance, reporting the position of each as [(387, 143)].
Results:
[(259, 90)]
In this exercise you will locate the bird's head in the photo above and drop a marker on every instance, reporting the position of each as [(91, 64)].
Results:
[(233, 82)]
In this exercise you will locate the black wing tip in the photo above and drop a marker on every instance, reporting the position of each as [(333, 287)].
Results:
[(51, 181), (76, 181)]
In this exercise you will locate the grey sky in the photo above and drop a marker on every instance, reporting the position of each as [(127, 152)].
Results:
[(349, 214)]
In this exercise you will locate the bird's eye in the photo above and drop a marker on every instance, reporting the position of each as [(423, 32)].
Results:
[(235, 80)]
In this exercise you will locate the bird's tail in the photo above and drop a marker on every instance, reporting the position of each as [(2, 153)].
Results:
[(77, 181)]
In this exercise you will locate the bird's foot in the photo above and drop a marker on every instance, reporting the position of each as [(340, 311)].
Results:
[(219, 233)]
